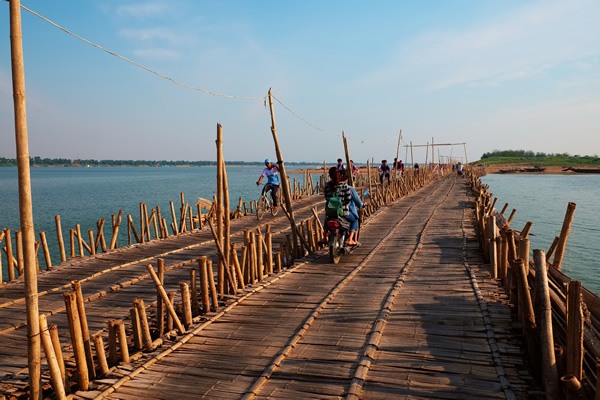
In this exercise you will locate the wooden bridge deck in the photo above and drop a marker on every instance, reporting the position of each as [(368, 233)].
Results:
[(412, 313)]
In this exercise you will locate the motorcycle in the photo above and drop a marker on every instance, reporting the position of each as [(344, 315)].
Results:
[(336, 231)]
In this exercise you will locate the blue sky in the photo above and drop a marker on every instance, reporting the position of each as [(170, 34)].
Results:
[(495, 75)]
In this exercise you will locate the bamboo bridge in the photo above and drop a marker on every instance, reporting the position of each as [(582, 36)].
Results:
[(440, 301)]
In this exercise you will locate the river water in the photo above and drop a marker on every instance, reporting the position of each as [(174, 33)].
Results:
[(543, 200), (84, 195)]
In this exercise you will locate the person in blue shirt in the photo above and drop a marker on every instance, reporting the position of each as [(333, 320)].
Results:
[(272, 173), (338, 184)]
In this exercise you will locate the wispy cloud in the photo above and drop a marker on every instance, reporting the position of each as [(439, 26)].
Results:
[(142, 10), (514, 46)]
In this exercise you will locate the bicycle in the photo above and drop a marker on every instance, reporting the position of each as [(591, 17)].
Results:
[(265, 203)]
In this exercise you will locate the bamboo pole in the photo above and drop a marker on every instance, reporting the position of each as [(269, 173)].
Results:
[(116, 223), (165, 299), (564, 235), (549, 371), (219, 202), (226, 269), (20, 253), (58, 351), (349, 171), (204, 291), (120, 328), (85, 332), (145, 327), (59, 235), (174, 217), (574, 330), (25, 200), (77, 340), (186, 305), (136, 328), (211, 284), (236, 263), (100, 355), (160, 306), (284, 179), (194, 292), (112, 343), (55, 373), (47, 257)]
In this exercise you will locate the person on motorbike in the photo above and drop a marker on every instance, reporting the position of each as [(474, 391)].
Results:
[(338, 186), (272, 173)]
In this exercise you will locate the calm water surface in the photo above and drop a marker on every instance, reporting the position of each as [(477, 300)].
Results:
[(543, 200), (84, 195)]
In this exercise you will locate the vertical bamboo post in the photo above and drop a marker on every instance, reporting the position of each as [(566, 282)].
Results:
[(194, 292), (269, 242), (236, 264), (170, 321), (85, 332), (160, 306), (284, 178), (120, 328), (100, 355), (369, 178), (116, 223), (113, 359), (59, 236), (202, 263), (77, 340), (55, 373), (549, 371), (58, 351), (219, 205), (20, 253), (47, 257), (146, 337), (79, 239), (260, 268), (186, 305), (574, 330), (136, 329), (174, 217), (564, 235), (25, 199), (226, 217), (211, 284), (348, 165)]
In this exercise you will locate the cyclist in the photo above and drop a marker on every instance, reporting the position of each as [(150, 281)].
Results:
[(338, 184), (272, 173)]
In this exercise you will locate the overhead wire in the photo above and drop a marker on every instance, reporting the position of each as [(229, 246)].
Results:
[(178, 83)]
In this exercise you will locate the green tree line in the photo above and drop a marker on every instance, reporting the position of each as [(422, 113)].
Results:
[(65, 162), (538, 158)]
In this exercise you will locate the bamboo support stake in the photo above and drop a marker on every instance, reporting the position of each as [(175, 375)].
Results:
[(549, 371), (55, 373), (59, 236), (100, 355), (77, 340), (564, 235), (236, 263), (47, 257), (284, 180), (58, 351), (526, 229), (222, 261), (79, 239), (122, 336), (204, 284), (174, 217), (278, 261), (212, 285), (575, 331), (269, 243), (85, 332), (171, 296), (136, 329), (195, 309), (116, 223), (525, 304), (186, 305), (92, 246), (9, 255), (100, 239), (25, 200), (260, 268), (165, 299), (20, 254), (131, 226), (160, 306), (141, 309), (113, 359), (219, 204)]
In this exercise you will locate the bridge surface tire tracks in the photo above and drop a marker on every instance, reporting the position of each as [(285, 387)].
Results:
[(299, 338)]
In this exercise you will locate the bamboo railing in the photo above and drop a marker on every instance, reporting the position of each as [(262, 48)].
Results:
[(560, 318)]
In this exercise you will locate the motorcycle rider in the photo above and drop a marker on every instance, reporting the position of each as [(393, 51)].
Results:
[(338, 186)]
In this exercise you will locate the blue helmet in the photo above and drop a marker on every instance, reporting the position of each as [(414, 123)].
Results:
[(267, 161)]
